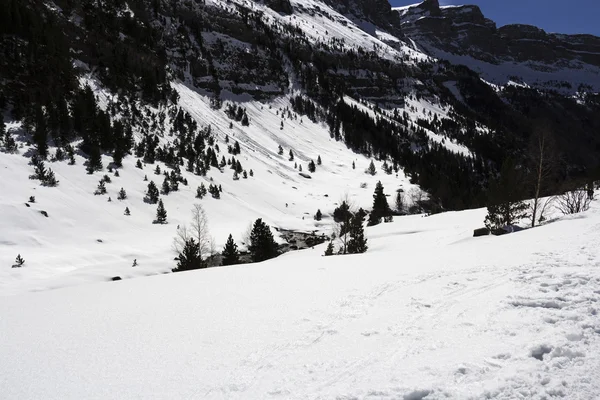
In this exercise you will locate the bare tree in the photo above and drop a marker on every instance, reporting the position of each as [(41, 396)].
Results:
[(573, 201), (417, 197), (198, 231), (340, 228), (543, 157)]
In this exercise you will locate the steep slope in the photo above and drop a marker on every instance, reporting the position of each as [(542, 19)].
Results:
[(428, 313)]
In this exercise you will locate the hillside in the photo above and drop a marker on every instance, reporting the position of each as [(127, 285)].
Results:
[(427, 313)]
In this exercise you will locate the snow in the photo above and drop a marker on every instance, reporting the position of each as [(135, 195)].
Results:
[(429, 312), (88, 239)]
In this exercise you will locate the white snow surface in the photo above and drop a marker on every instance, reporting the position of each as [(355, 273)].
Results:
[(429, 312)]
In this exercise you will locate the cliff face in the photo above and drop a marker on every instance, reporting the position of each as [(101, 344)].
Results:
[(462, 33)]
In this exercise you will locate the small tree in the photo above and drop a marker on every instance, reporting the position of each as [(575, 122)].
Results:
[(358, 241), (353, 165), (101, 189), (198, 230), (189, 258), (543, 156), (280, 150), (291, 155), (400, 203), (19, 262), (161, 213), (319, 160), (127, 212), (262, 245), (371, 170), (138, 164), (311, 166), (201, 191), (152, 193), (505, 205), (329, 250), (573, 201), (166, 188), (230, 253), (318, 215), (381, 209), (122, 194)]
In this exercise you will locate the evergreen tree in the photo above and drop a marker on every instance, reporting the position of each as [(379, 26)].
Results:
[(371, 170), (505, 205), (230, 253), (122, 194), (165, 187), (262, 245), (40, 136), (19, 262), (189, 258), (101, 189), (251, 173), (201, 191), (95, 160), (318, 215), (127, 212), (319, 160), (138, 164), (245, 175), (161, 213), (236, 177), (50, 179), (381, 209), (311, 166), (280, 150), (152, 193), (291, 155), (236, 148), (157, 170), (329, 250), (358, 241), (353, 165)]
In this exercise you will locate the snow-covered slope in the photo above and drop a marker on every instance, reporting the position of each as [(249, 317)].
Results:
[(86, 238), (427, 313)]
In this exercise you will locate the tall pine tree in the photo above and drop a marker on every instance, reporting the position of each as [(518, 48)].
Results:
[(230, 253), (262, 245)]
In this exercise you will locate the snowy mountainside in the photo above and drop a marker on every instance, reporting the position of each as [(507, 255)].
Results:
[(519, 53), (64, 249), (429, 312)]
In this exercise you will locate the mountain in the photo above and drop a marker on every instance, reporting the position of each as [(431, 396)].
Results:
[(91, 85), (522, 54)]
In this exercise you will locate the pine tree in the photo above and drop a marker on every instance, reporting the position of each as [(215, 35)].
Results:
[(280, 150), (201, 191), (353, 165), (262, 245), (291, 155), (251, 173), (145, 178), (318, 215), (152, 193), (95, 160), (101, 189), (235, 176), (245, 175), (358, 241), (161, 213), (122, 194), (50, 179), (138, 164), (230, 253), (157, 170), (329, 250), (381, 209), (371, 170), (319, 160), (189, 258), (127, 212), (311, 166), (505, 205), (165, 187), (19, 262)]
